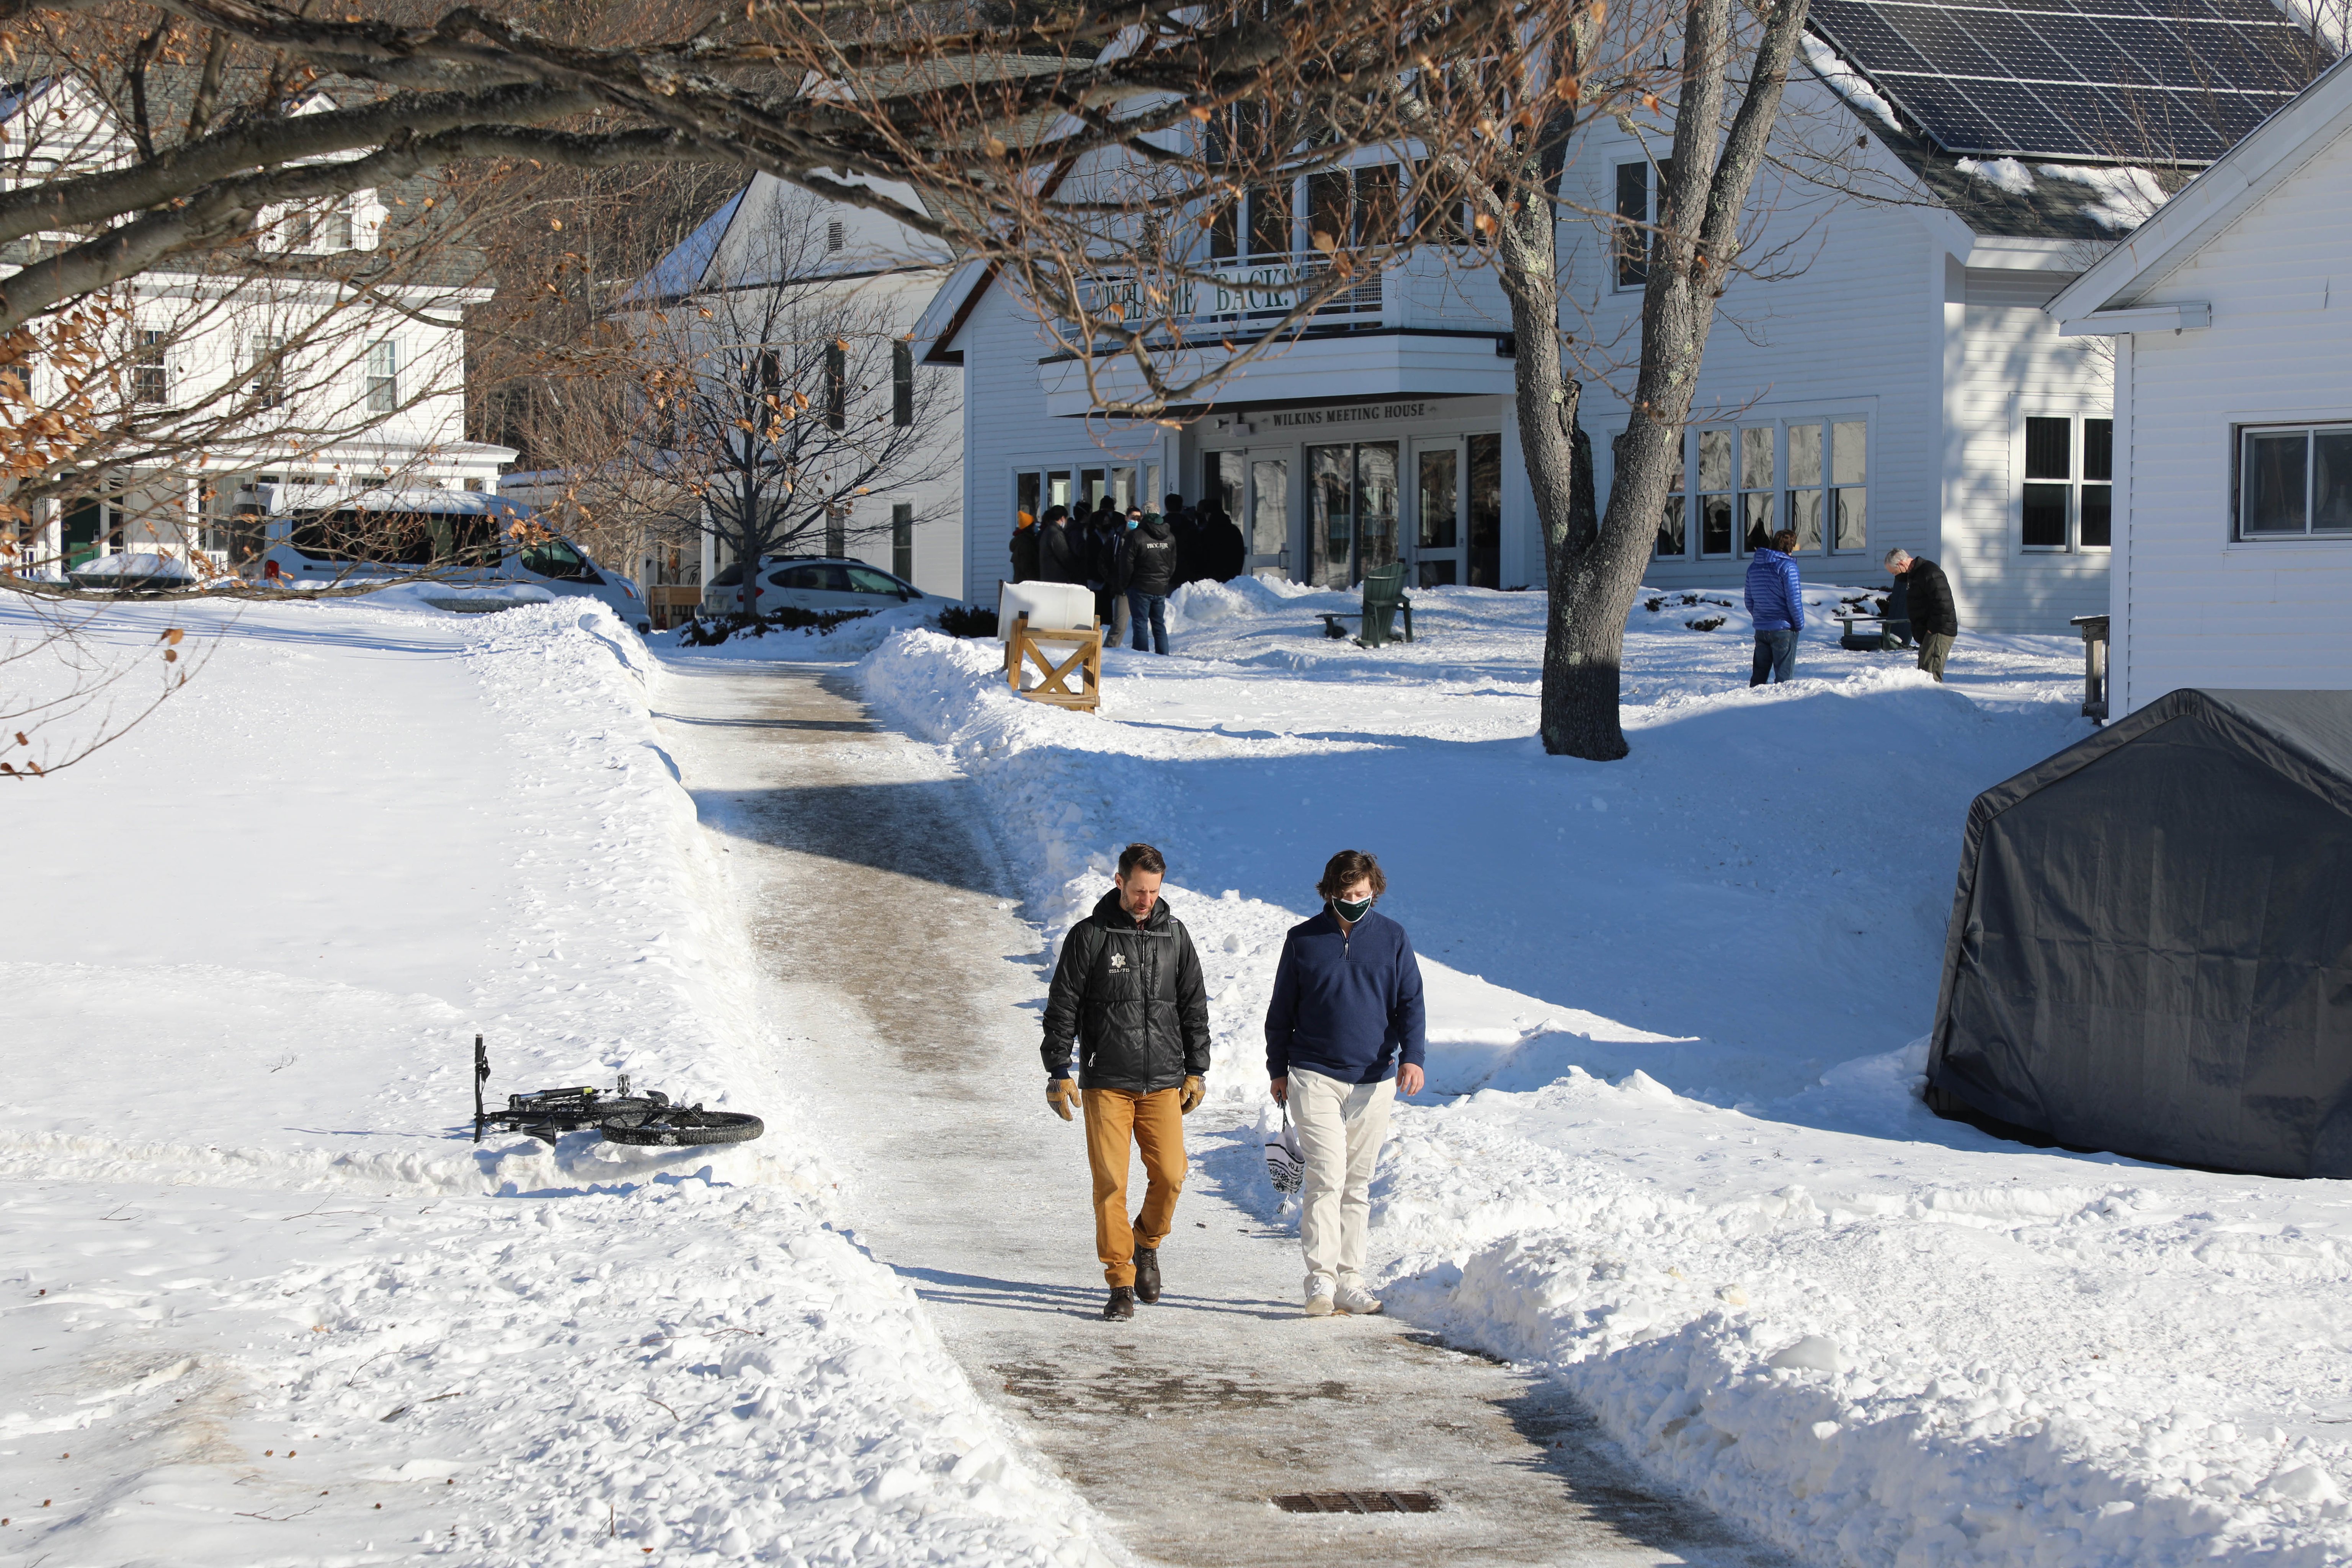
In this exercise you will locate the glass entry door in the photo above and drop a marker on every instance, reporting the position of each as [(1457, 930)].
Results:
[(1268, 535), (1438, 533), (1351, 512), (1253, 488)]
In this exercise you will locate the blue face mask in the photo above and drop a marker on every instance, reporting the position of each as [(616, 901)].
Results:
[(1135, 523)]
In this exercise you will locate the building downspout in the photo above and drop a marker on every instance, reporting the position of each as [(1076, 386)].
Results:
[(1950, 446), (2121, 700)]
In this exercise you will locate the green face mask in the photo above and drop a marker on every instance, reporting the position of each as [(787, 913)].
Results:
[(1350, 912)]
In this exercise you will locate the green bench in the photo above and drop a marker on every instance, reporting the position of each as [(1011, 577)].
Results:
[(1384, 596)]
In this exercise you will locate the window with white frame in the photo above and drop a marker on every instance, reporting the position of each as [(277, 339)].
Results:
[(1744, 483), (151, 371), (2066, 497), (1756, 467), (267, 352), (2294, 481), (1640, 205), (1673, 524), (1828, 491), (1034, 490), (902, 542), (384, 376), (902, 384), (1715, 534)]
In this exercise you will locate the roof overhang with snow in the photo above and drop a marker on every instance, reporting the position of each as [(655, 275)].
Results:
[(943, 319), (2106, 299)]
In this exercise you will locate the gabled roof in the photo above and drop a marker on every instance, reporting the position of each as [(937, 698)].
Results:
[(950, 309), (684, 269), (736, 246), (2280, 147)]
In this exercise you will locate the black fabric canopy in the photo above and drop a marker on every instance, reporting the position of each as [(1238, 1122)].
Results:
[(2150, 950)]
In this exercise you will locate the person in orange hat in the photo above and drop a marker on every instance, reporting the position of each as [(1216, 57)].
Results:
[(1024, 549)]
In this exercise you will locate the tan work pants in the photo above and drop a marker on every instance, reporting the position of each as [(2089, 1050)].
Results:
[(1115, 1117), (1340, 1126)]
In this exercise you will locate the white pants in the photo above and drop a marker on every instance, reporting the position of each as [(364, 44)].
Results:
[(1340, 1126)]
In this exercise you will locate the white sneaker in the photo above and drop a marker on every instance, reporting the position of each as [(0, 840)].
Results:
[(1354, 1300), (1319, 1296)]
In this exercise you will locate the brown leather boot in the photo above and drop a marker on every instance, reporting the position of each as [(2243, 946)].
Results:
[(1120, 1305), (1146, 1274)]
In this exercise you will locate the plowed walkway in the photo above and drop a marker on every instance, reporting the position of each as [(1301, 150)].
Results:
[(890, 935)]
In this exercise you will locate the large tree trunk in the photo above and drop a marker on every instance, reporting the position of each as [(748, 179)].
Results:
[(1593, 572), (1579, 678), (1559, 458)]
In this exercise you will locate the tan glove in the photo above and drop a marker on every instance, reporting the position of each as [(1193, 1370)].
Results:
[(1189, 1100), (1062, 1094)]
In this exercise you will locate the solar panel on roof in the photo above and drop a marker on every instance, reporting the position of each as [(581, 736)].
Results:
[(2107, 80)]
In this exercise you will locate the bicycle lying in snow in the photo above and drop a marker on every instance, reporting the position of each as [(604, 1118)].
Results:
[(647, 1121)]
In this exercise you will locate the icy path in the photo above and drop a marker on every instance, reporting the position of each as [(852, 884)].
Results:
[(894, 956)]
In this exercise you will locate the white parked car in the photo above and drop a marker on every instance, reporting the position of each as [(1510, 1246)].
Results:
[(461, 539), (806, 583)]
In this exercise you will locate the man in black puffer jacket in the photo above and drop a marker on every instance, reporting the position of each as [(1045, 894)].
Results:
[(1128, 992), (1935, 618), (1147, 575)]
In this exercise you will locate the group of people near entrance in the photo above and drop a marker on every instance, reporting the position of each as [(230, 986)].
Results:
[(1131, 558), (1345, 1032), (1776, 603)]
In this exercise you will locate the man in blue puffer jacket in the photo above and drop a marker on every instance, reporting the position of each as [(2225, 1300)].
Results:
[(1344, 1032), (1776, 601)]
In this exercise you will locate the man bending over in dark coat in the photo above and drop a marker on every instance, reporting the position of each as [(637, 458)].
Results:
[(1935, 618)]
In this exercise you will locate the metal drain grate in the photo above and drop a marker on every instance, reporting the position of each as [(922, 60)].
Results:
[(1358, 1502)]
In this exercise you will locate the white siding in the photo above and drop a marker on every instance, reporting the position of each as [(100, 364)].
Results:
[(2012, 362), (938, 500), (1006, 428), (2204, 611), (1865, 306), (1844, 321), (1861, 307)]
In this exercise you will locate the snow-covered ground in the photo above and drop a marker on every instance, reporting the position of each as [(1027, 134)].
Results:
[(267, 1302), (1672, 1149)]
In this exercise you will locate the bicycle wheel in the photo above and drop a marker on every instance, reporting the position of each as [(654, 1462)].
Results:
[(676, 1128)]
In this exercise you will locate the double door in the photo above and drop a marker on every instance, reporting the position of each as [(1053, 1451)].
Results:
[(1352, 507), (1435, 502)]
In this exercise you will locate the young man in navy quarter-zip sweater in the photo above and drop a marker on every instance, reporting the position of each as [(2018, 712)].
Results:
[(1345, 1030)]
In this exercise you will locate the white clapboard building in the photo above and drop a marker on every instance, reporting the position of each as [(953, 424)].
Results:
[(1885, 376), (775, 258), (325, 350), (2233, 409)]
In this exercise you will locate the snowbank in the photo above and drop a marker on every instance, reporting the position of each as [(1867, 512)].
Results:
[(270, 1303), (1706, 1195), (1916, 1348)]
